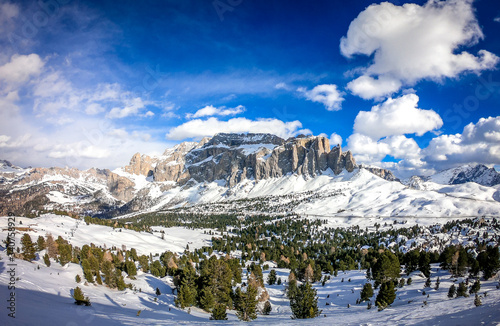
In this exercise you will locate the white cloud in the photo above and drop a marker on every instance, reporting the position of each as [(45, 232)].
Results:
[(497, 19), (413, 42), (371, 152), (368, 87), (79, 150), (7, 12), (326, 94), (19, 70), (282, 86), (478, 143), (396, 117), (132, 107), (335, 139), (21, 141), (198, 128), (210, 111), (94, 108)]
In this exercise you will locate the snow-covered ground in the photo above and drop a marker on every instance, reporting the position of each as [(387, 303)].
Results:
[(359, 193), (78, 233), (43, 297), (43, 294)]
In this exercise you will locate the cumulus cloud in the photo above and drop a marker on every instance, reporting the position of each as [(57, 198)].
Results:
[(335, 139), (210, 111), (326, 94), (368, 87), (478, 143), (19, 70), (396, 117), (497, 19), (367, 150), (198, 128), (411, 42)]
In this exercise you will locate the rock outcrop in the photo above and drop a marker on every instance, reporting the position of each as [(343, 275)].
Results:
[(383, 173), (235, 157)]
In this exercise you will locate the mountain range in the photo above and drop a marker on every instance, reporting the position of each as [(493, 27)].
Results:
[(250, 173)]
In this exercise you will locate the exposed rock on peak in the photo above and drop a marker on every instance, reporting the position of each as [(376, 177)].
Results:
[(244, 139), (383, 173), (479, 173)]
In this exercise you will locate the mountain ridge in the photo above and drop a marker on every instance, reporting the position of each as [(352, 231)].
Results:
[(229, 167)]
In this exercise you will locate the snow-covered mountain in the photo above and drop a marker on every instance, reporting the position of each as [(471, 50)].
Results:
[(480, 174), (248, 173)]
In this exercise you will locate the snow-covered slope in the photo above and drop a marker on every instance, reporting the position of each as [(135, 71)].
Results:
[(43, 294), (480, 174), (359, 193)]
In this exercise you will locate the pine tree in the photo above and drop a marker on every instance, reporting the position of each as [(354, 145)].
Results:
[(386, 295), (427, 283), (304, 303), (437, 284), (216, 275), (207, 300), (87, 271), (366, 292), (186, 296), (186, 285), (108, 271), (119, 281), (219, 312), (78, 279), (271, 278), (246, 303), (409, 281), (475, 287), (157, 292), (80, 298), (452, 291), (462, 290), (267, 308), (424, 263), (130, 268), (386, 268), (489, 261), (28, 247), (477, 301), (46, 260), (40, 243)]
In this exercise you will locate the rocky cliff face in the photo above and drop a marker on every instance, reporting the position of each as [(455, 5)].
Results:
[(235, 157), (480, 174), (383, 173)]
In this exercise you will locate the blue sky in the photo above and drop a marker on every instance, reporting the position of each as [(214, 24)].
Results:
[(89, 83)]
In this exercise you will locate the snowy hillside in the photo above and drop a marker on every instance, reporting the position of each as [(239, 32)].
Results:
[(43, 294), (359, 193)]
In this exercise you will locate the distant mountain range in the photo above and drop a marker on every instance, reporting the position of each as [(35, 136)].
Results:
[(250, 173)]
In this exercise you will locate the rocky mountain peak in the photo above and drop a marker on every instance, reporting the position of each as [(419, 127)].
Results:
[(234, 157), (231, 140)]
